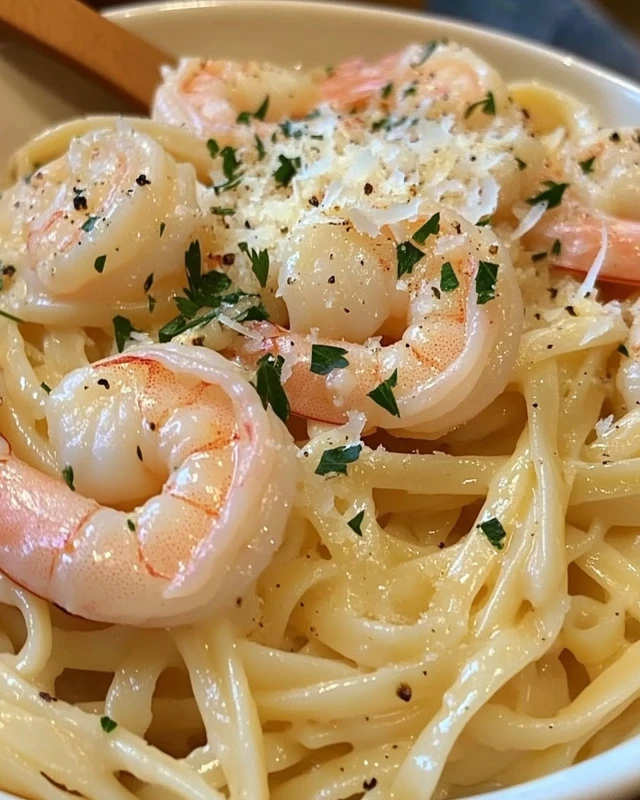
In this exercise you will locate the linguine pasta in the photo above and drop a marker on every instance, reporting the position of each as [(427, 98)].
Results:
[(457, 610)]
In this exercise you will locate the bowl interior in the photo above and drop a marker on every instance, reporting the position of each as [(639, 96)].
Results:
[(39, 92)]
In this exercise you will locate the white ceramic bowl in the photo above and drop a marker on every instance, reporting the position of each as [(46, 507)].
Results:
[(35, 92)]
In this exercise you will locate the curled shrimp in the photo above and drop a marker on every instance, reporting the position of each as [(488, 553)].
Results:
[(84, 232), (600, 210), (444, 347), (450, 76), (199, 476), (208, 96)]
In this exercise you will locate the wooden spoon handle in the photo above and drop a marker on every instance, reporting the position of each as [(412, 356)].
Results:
[(74, 33)]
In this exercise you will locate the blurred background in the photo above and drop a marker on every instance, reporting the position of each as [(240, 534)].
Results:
[(604, 31)]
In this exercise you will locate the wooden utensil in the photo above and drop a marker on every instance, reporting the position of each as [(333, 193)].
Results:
[(73, 33)]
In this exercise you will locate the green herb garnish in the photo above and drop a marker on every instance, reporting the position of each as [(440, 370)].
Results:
[(622, 349), (45, 387), (152, 303), (67, 474), (552, 195), (486, 281), (287, 169), (259, 262), (538, 257), (123, 330), (108, 725), (431, 226), (162, 227), (355, 523), (383, 394), (99, 263), (148, 283), (89, 224), (587, 166), (428, 50), (260, 147), (521, 164), (230, 167), (325, 358), (213, 147), (335, 461), (408, 256), (131, 525), (556, 247), (211, 290), (484, 221), (6, 315), (245, 117), (487, 105), (222, 211), (386, 90), (494, 532), (448, 279), (269, 385)]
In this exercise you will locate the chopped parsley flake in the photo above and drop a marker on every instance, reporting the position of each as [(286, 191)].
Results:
[(486, 281), (287, 169), (269, 385), (287, 130), (494, 532), (123, 329), (355, 523), (89, 224), (556, 247), (259, 262), (487, 105), (386, 90), (45, 387), (622, 349), (484, 221), (428, 50), (408, 256), (213, 147), (335, 461), (6, 315), (108, 725), (162, 227), (148, 283), (552, 195), (431, 226), (152, 303), (383, 394), (67, 475), (131, 525), (587, 166), (538, 257), (245, 117), (325, 358), (230, 170), (448, 279), (260, 147), (212, 290), (222, 211), (99, 263), (521, 164), (411, 89)]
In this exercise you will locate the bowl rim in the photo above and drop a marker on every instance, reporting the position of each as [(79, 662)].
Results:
[(615, 770)]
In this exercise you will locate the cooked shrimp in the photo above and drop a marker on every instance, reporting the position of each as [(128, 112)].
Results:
[(451, 354), (85, 231), (600, 210), (453, 77), (199, 476), (208, 96)]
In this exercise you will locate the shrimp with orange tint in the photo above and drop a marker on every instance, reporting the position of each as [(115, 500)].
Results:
[(208, 97), (198, 476), (453, 78), (420, 336), (85, 231), (598, 218)]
